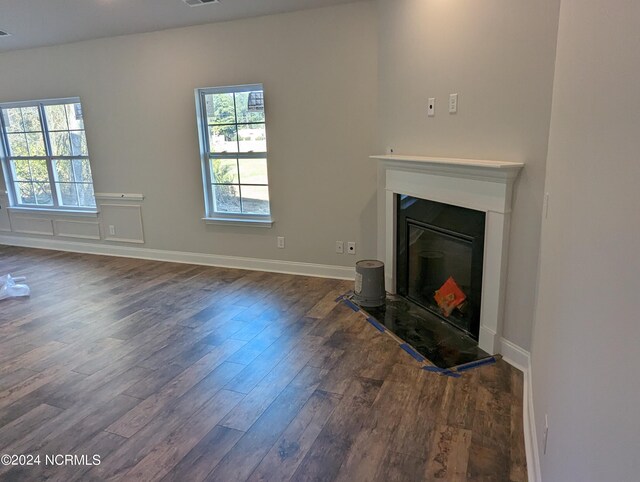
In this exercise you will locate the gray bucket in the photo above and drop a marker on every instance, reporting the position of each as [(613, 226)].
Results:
[(369, 290)]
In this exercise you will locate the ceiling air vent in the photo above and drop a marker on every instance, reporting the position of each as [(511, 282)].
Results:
[(4, 34), (195, 3)]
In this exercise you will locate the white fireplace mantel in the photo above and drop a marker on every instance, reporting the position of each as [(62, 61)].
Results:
[(482, 185)]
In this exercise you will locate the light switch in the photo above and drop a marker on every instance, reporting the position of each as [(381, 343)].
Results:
[(453, 103), (431, 107)]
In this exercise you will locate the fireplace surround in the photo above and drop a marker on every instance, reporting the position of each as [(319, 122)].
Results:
[(479, 185)]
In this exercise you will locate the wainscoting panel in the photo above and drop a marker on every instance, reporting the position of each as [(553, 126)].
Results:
[(122, 223), (31, 225), (76, 229)]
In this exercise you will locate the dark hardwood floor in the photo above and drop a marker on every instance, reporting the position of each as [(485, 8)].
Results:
[(186, 373)]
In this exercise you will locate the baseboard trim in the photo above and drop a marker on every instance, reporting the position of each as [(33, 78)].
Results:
[(514, 355), (520, 358), (530, 437), (255, 264)]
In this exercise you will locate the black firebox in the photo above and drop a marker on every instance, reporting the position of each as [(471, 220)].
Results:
[(439, 260)]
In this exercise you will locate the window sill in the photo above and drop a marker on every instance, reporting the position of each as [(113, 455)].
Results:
[(55, 212), (265, 222)]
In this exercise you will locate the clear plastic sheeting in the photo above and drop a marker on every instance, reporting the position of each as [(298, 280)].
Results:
[(11, 287)]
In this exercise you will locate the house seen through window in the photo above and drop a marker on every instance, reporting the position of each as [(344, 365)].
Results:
[(232, 129), (45, 155)]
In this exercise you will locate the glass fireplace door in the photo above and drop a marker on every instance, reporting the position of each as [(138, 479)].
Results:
[(441, 260)]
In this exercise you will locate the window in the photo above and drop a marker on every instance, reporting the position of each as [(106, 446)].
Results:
[(46, 160), (231, 123)]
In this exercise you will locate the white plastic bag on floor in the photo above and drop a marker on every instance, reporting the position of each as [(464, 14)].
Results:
[(9, 288)]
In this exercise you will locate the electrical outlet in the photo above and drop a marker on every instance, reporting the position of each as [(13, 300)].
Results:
[(351, 247), (546, 434), (280, 242), (112, 230), (339, 247)]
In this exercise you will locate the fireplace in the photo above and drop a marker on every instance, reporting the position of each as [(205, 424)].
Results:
[(440, 247), (479, 186)]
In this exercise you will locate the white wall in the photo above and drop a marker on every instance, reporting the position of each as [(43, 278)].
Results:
[(587, 326), (318, 68), (498, 55)]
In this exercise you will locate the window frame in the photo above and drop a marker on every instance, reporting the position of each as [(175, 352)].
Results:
[(6, 158), (211, 215)]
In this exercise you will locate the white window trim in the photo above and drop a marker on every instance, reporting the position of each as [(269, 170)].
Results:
[(245, 220), (84, 213), (6, 168), (211, 216)]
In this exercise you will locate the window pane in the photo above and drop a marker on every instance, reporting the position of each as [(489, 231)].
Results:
[(226, 199), (235, 123), (82, 170), (63, 170), (17, 145), (20, 169), (24, 193), (56, 117), (75, 117), (252, 138), (220, 109), (67, 192), (223, 139), (39, 171), (60, 144), (250, 106), (36, 144), (43, 193), (31, 119), (60, 133), (224, 171), (255, 199), (86, 197), (13, 120), (78, 143), (253, 171)]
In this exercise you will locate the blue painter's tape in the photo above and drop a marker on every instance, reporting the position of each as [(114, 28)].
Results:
[(442, 371), (377, 325), (351, 305), (474, 364), (412, 352), (344, 296)]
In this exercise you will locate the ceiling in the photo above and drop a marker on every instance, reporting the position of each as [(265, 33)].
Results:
[(36, 23)]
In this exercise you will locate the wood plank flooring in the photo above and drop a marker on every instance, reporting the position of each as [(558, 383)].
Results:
[(178, 372)]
